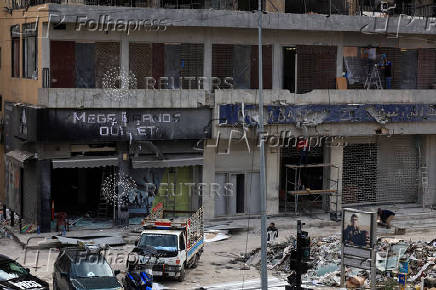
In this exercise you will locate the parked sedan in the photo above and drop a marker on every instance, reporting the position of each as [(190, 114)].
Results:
[(15, 276), (77, 268)]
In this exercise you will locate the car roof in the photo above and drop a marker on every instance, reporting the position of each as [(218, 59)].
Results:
[(72, 253)]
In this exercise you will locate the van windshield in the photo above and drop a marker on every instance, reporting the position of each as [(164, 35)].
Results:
[(160, 242)]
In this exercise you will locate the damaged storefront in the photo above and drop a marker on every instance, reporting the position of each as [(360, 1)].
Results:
[(106, 165), (324, 157)]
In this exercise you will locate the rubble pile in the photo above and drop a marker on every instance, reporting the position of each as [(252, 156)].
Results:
[(326, 256)]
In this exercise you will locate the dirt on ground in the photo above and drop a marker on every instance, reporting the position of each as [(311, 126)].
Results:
[(217, 262)]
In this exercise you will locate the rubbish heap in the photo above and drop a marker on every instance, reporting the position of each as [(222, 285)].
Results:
[(326, 256)]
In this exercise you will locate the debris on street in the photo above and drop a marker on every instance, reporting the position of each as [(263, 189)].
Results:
[(326, 261), (215, 236), (97, 240)]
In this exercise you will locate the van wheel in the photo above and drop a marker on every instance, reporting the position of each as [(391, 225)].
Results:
[(182, 274)]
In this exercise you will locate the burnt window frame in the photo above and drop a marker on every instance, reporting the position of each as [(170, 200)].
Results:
[(15, 41), (30, 31)]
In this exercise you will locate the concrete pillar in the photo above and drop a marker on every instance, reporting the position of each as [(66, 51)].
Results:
[(124, 59), (209, 156), (429, 156), (44, 207), (336, 158), (207, 64), (272, 180), (123, 210), (277, 77), (45, 49), (339, 60)]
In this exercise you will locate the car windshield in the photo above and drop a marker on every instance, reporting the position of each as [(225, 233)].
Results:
[(90, 269), (159, 242), (11, 270)]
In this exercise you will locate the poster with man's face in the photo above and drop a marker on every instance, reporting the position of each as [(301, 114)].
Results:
[(356, 229)]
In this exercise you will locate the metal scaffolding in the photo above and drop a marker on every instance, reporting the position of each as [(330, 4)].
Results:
[(294, 188)]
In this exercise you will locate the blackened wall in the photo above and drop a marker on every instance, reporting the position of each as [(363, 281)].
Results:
[(30, 194)]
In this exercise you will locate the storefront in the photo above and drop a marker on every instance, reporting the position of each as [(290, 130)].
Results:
[(106, 163)]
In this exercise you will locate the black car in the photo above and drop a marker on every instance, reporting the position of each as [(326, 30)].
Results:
[(15, 276), (77, 268)]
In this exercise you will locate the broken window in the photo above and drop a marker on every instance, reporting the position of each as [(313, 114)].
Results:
[(289, 70), (384, 67), (30, 50), (15, 51), (236, 66)]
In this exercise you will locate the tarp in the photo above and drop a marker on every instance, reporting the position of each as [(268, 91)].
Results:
[(20, 156)]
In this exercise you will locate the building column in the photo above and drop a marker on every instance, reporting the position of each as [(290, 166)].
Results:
[(124, 59), (207, 64), (272, 180), (45, 53), (277, 77), (335, 174), (208, 195), (124, 168), (44, 209), (427, 195)]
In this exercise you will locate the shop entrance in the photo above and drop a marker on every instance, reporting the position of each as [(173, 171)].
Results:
[(301, 171), (77, 192)]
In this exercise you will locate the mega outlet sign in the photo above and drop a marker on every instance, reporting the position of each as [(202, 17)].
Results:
[(110, 124), (129, 124)]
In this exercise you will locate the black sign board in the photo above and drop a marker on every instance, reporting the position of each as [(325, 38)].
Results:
[(120, 124)]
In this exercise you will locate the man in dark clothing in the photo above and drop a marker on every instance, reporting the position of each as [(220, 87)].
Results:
[(385, 217), (353, 235), (272, 232), (387, 66)]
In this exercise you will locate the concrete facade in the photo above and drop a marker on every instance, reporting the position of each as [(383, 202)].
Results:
[(210, 27)]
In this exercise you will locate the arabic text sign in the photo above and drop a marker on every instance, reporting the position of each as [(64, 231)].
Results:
[(317, 114)]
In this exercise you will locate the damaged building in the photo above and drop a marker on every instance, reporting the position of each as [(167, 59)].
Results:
[(106, 111)]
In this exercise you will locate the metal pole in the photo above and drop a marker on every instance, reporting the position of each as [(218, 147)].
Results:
[(264, 273)]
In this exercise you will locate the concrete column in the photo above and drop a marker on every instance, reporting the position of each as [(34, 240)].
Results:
[(207, 64), (339, 60), (124, 59), (277, 77), (44, 207), (272, 181), (336, 158), (429, 162), (123, 167), (45, 49), (209, 156)]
